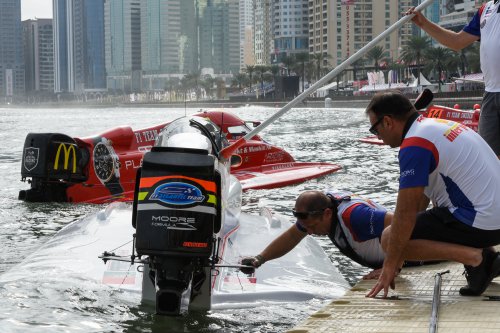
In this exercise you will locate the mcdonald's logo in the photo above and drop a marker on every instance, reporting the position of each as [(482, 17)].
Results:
[(67, 155)]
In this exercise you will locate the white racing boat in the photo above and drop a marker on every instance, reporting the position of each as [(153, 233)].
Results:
[(180, 245)]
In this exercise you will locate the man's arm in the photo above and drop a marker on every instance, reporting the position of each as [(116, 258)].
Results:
[(402, 226), (283, 244), (424, 203), (453, 40)]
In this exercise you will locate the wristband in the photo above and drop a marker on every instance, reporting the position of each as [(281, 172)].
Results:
[(260, 259)]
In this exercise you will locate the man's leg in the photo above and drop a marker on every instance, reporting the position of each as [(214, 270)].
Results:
[(428, 250), (489, 121)]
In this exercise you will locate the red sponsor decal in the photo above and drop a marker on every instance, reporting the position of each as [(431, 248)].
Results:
[(194, 244)]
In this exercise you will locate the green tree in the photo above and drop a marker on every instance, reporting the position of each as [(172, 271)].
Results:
[(302, 59), (249, 69), (357, 65), (207, 84), (413, 52), (288, 63), (375, 55), (321, 61), (260, 71), (472, 58), (275, 70), (239, 80), (436, 60), (192, 82)]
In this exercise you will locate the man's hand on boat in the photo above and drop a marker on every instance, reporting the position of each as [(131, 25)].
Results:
[(252, 263), (385, 281)]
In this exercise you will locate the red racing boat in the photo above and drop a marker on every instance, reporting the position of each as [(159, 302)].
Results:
[(103, 168), (466, 117)]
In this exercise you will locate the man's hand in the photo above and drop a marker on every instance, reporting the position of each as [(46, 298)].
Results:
[(373, 275), (385, 281), (418, 19), (255, 262)]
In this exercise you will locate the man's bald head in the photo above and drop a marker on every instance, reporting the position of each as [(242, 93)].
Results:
[(313, 200)]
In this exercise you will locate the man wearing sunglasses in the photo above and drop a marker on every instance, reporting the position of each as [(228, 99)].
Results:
[(450, 164), (352, 223), (483, 27)]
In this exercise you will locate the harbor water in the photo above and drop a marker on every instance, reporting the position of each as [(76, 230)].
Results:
[(315, 135)]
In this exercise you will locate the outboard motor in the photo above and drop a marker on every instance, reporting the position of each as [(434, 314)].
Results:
[(52, 161), (177, 211)]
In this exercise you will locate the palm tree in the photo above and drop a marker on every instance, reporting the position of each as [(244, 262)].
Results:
[(413, 52), (472, 58), (288, 62), (436, 58), (375, 55), (239, 80), (310, 71), (249, 69), (259, 71), (208, 85), (302, 58), (320, 59), (275, 70), (193, 82), (360, 63)]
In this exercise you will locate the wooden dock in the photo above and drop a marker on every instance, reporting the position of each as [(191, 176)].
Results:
[(408, 307)]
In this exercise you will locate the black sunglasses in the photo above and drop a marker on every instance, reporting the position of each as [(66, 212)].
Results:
[(305, 215), (373, 129)]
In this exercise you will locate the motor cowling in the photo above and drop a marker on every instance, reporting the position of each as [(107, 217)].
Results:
[(52, 161), (176, 215)]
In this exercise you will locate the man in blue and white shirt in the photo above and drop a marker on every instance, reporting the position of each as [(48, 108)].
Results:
[(453, 166), (354, 225)]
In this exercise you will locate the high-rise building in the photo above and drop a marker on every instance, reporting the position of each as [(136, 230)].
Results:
[(263, 36), (123, 45), (290, 28), (218, 28), (169, 40), (79, 46), (39, 55), (11, 49), (246, 33), (339, 28)]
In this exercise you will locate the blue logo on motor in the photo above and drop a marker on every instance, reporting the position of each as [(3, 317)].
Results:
[(177, 193)]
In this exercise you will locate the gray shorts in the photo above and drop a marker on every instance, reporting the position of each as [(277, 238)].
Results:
[(489, 120)]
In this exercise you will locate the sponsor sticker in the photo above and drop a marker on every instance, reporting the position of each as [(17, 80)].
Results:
[(31, 158), (178, 193)]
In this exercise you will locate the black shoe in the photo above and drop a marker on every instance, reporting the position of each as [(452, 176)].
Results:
[(479, 278)]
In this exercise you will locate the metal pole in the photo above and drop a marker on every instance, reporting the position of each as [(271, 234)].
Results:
[(436, 298)]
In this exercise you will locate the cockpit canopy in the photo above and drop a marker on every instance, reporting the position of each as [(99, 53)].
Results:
[(192, 133)]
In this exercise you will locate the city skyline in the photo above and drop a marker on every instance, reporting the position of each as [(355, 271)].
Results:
[(36, 8)]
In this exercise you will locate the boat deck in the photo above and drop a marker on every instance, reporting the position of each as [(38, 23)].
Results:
[(408, 308)]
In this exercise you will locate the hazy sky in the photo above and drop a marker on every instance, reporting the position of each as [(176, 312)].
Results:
[(36, 8)]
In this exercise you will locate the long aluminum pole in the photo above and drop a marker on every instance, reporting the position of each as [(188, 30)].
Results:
[(436, 299), (321, 82)]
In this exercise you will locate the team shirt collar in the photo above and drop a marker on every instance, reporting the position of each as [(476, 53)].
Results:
[(409, 122)]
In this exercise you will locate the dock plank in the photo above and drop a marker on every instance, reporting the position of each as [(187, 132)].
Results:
[(408, 307)]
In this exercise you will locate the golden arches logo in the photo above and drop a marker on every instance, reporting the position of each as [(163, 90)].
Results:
[(67, 155)]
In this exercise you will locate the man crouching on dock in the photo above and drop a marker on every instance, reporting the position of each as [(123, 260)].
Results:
[(450, 164)]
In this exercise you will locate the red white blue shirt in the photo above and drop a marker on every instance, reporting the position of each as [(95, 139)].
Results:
[(362, 222), (457, 169), (486, 25)]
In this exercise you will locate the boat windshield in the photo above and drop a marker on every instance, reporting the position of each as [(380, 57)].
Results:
[(191, 132), (239, 131)]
